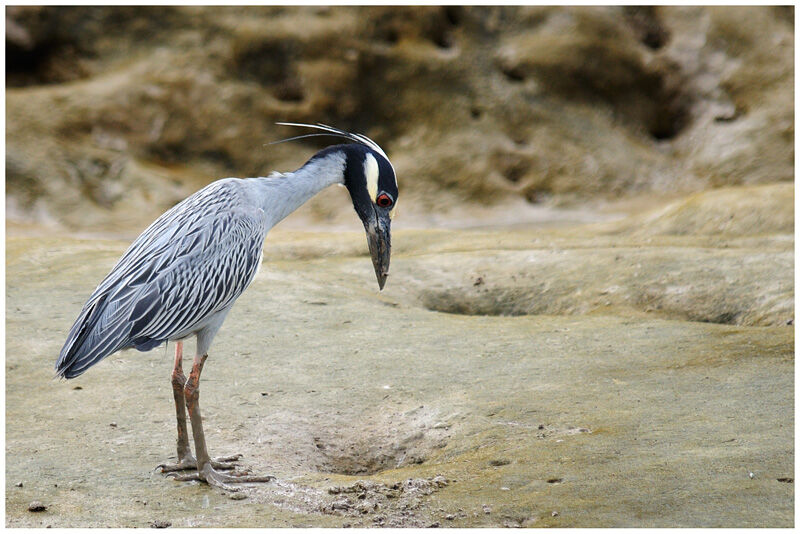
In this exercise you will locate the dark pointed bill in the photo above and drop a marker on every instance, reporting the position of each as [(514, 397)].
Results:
[(380, 244)]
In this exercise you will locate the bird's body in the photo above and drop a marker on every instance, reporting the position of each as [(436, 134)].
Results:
[(183, 274)]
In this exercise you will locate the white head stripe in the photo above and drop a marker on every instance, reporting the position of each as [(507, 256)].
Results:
[(371, 173)]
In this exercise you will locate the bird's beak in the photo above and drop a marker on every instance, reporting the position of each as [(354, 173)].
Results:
[(380, 244)]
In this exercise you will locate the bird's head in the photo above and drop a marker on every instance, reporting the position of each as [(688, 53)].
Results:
[(370, 179)]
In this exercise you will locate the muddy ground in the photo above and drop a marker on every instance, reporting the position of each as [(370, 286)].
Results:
[(633, 372)]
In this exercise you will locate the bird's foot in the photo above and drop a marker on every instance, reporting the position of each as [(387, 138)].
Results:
[(224, 481), (184, 464)]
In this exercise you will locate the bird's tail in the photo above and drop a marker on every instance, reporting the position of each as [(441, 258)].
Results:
[(90, 340)]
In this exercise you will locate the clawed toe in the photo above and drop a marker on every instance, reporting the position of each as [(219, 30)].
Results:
[(227, 481), (210, 473), (185, 478), (232, 458), (183, 465), (224, 463)]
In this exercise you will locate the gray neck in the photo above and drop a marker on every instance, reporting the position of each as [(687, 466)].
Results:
[(281, 194)]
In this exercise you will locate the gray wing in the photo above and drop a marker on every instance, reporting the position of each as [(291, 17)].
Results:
[(192, 262)]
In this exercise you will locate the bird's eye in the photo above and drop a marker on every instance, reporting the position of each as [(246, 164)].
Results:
[(384, 200)]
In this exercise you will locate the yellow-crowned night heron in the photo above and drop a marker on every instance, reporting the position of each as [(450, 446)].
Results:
[(183, 274)]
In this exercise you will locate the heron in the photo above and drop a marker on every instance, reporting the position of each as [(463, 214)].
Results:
[(183, 274)]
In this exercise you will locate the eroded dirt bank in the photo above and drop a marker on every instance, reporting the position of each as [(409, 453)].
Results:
[(572, 376), (115, 113)]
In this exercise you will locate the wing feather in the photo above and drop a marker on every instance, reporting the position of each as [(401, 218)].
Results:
[(192, 262)]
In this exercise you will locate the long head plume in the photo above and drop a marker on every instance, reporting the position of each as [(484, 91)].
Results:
[(372, 185), (331, 131)]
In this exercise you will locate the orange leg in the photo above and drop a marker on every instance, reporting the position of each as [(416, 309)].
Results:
[(205, 466), (185, 458), (178, 382)]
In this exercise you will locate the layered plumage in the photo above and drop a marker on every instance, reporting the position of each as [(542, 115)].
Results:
[(183, 274), (180, 276)]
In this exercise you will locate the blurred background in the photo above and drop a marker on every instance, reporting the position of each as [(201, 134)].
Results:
[(490, 114)]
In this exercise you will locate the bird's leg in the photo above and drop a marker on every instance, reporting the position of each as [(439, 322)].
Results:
[(191, 392), (185, 458), (205, 468), (178, 383)]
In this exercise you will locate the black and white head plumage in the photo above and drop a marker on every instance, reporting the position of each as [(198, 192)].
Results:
[(369, 176)]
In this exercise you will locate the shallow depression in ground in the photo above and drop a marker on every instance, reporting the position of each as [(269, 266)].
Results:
[(618, 415)]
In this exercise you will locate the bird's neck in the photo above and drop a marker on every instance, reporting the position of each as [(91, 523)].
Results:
[(284, 193)]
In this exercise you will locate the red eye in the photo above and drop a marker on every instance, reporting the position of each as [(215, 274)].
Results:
[(384, 200)]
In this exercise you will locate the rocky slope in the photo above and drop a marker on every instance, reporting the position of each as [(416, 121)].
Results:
[(113, 114)]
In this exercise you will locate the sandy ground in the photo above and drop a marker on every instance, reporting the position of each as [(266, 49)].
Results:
[(423, 404)]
